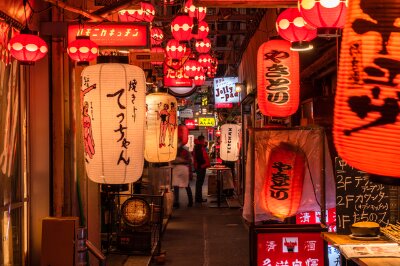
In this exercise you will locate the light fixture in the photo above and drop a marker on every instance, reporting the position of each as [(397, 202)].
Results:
[(175, 50), (82, 50), (27, 47), (181, 28), (239, 87)]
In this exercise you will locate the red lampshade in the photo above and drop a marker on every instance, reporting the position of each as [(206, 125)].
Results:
[(292, 27), (202, 31), (366, 117), (183, 134), (327, 16), (284, 177), (175, 50), (188, 5), (203, 46), (82, 50), (192, 67), (181, 28), (278, 89), (157, 36), (198, 12), (148, 11), (199, 79), (27, 47), (205, 60), (131, 15), (157, 49)]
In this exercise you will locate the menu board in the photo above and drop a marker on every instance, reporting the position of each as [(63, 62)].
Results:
[(358, 199)]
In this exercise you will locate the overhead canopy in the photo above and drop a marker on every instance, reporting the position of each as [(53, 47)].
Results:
[(13, 11), (247, 4)]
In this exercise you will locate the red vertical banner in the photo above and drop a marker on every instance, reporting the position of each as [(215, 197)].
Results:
[(278, 79)]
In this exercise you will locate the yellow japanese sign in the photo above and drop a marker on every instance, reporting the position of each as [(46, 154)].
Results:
[(206, 121)]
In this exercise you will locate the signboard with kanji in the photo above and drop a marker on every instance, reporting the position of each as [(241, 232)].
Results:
[(206, 121)]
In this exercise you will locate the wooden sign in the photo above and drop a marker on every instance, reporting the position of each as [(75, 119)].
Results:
[(358, 199)]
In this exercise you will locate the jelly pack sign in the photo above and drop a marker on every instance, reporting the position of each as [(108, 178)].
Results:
[(358, 199), (297, 249), (225, 91)]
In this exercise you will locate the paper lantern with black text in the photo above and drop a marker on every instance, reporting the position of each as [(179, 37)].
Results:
[(284, 176), (113, 109), (277, 79), (366, 115), (230, 142), (161, 134)]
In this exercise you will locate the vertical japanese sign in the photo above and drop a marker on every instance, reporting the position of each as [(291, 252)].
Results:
[(277, 79), (113, 108), (295, 248), (366, 117), (230, 142), (358, 199)]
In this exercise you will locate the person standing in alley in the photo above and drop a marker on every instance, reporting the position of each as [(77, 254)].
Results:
[(182, 174), (201, 162)]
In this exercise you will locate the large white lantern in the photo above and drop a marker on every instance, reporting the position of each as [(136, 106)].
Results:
[(230, 142), (113, 112), (161, 134)]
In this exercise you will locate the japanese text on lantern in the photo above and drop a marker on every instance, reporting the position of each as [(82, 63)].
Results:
[(120, 130), (280, 181), (276, 76)]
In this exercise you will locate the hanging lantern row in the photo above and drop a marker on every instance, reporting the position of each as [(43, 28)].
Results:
[(175, 50), (82, 50), (192, 67), (291, 26), (195, 12), (328, 17), (145, 13), (27, 47)]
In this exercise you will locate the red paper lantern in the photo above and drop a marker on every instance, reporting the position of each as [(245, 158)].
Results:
[(183, 134), (278, 77), (205, 60), (327, 16), (192, 67), (189, 5), (157, 36), (292, 27), (27, 47), (148, 11), (82, 50), (284, 176), (158, 50), (199, 79), (181, 28), (203, 30), (366, 118), (203, 46), (131, 15), (175, 50)]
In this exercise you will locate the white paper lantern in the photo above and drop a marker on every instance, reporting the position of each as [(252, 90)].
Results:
[(113, 110), (161, 134), (190, 144), (230, 142)]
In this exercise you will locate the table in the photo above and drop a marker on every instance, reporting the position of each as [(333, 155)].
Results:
[(336, 240), (219, 181)]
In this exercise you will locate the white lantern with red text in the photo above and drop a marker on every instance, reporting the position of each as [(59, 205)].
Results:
[(181, 28), (113, 117), (161, 134), (278, 89), (230, 142)]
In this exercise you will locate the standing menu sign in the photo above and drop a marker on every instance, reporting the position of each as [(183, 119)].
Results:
[(358, 199)]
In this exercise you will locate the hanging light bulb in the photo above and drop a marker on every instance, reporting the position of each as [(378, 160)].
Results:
[(82, 50), (27, 47)]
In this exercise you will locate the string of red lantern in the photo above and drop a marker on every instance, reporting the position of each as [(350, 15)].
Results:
[(82, 50)]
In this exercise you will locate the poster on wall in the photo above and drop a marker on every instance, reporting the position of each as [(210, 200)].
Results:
[(225, 94)]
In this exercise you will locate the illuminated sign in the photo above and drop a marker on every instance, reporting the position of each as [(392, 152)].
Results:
[(190, 123), (223, 105), (133, 35), (174, 75), (290, 248), (206, 121), (225, 91), (186, 113)]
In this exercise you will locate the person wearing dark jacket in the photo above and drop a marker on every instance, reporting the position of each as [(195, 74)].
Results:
[(200, 161)]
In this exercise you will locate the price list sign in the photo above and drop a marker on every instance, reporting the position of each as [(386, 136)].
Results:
[(358, 199)]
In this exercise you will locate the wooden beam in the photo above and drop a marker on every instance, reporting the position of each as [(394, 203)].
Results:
[(246, 3), (76, 10)]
